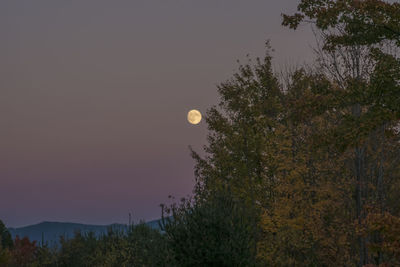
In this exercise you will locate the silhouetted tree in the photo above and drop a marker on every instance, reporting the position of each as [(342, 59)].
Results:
[(5, 237), (213, 232)]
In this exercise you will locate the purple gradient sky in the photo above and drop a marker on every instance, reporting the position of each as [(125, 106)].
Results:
[(94, 96)]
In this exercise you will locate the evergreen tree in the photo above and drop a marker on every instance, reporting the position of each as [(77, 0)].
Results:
[(6, 241)]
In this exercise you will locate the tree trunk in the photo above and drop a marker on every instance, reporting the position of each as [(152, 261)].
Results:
[(359, 172)]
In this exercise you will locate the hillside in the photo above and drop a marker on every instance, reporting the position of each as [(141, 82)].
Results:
[(50, 232)]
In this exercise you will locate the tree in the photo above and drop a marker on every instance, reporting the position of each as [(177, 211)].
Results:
[(356, 39), (239, 130), (146, 246), (238, 157), (213, 232), (6, 243), (5, 237), (45, 256), (139, 245), (308, 223), (23, 252), (79, 251)]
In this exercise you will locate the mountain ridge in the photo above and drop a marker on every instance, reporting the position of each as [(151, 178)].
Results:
[(49, 233)]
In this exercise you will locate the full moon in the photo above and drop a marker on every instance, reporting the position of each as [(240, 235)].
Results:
[(194, 116)]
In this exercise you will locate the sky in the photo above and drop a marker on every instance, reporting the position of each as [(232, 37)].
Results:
[(94, 96)]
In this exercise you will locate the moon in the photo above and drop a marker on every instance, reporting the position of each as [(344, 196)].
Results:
[(194, 116)]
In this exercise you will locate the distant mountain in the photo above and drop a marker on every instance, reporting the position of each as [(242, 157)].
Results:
[(50, 232)]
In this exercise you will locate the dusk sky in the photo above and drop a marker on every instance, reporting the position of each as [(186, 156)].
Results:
[(94, 96)]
